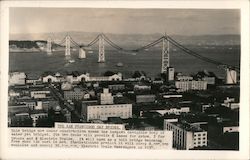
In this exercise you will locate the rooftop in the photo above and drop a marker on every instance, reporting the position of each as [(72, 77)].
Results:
[(187, 127)]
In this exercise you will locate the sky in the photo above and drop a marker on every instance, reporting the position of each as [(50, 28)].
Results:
[(125, 21)]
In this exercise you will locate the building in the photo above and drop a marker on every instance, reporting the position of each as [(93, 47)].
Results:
[(106, 108), (145, 98), (106, 97), (230, 103), (21, 116), (183, 86), (180, 77), (174, 110), (31, 103), (139, 75), (17, 108), (142, 87), (36, 115), (13, 93), (103, 112), (230, 129), (185, 136), (231, 76), (17, 78), (43, 93), (52, 78), (116, 87), (75, 94), (172, 96), (204, 107), (76, 77), (86, 78), (209, 77), (34, 79), (170, 74), (66, 86), (115, 77), (198, 85)]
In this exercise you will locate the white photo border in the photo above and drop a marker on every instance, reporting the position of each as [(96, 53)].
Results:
[(70, 153)]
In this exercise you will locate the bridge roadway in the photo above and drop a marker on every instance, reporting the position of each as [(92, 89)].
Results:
[(55, 92)]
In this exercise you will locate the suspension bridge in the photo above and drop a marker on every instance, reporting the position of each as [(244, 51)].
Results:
[(166, 41)]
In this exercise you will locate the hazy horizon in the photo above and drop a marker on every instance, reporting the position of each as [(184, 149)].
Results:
[(186, 22)]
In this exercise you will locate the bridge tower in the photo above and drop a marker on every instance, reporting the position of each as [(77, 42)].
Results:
[(49, 46), (67, 46), (165, 56), (101, 56)]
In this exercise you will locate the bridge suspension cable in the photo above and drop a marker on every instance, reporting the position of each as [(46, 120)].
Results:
[(61, 42), (92, 42), (152, 44), (190, 52), (112, 44)]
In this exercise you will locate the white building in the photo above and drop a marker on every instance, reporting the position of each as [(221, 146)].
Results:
[(115, 77), (142, 87), (184, 86), (231, 76), (230, 103), (185, 137), (17, 78), (13, 93), (39, 93), (51, 79), (66, 86), (176, 111), (33, 81), (170, 73), (86, 78), (181, 77), (102, 112), (230, 129), (199, 85), (106, 97), (82, 53)]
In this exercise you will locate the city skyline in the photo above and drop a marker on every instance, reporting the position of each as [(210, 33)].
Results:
[(125, 21)]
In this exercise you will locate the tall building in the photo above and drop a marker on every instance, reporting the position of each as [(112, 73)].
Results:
[(185, 136), (231, 76), (170, 74)]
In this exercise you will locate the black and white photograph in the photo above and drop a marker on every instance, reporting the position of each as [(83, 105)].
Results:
[(125, 78)]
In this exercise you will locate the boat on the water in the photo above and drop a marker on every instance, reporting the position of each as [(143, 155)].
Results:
[(71, 61), (119, 64)]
